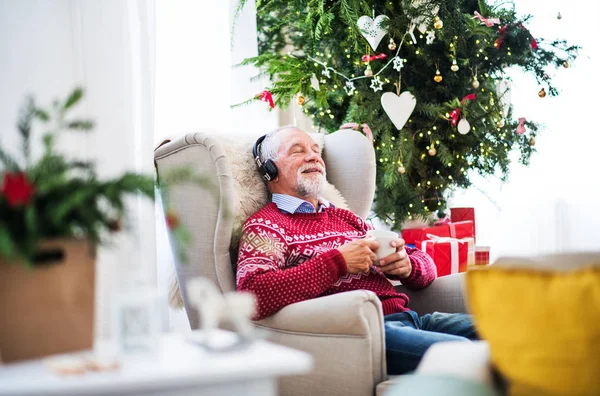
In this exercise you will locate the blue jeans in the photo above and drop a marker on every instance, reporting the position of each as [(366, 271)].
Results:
[(408, 336)]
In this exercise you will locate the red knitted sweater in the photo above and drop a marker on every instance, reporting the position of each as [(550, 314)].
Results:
[(286, 258)]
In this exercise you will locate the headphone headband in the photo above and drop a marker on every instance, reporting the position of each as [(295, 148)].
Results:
[(267, 169)]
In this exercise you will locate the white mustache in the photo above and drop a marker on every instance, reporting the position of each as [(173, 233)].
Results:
[(316, 166)]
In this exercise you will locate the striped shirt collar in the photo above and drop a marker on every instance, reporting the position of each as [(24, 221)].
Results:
[(291, 205)]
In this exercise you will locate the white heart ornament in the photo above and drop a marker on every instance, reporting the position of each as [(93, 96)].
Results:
[(422, 21), (372, 30), (463, 126), (398, 108)]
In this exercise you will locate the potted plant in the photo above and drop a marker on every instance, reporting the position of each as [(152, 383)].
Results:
[(54, 211)]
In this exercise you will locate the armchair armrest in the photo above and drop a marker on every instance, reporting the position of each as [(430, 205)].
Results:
[(445, 294), (354, 313), (344, 334)]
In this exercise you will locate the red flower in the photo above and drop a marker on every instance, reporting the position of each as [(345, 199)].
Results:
[(172, 220), (16, 189)]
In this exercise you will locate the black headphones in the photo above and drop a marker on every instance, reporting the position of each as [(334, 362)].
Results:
[(267, 169)]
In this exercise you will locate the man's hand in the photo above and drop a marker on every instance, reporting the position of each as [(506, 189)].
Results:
[(359, 255), (396, 263)]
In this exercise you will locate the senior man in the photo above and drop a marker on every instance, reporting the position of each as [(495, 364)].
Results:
[(299, 246)]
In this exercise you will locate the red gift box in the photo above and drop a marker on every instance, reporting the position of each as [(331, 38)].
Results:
[(459, 230), (482, 255), (463, 214), (450, 255)]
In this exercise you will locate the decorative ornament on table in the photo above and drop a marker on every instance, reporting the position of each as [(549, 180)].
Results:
[(542, 93), (521, 127), (398, 107), (266, 96), (559, 17), (438, 77), (432, 151), (349, 88), (376, 84), (300, 100), (392, 45), (398, 63), (369, 71), (566, 64), (430, 37), (454, 66), (438, 24), (532, 141), (372, 29)]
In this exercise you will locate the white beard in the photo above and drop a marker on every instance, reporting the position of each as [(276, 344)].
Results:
[(310, 186)]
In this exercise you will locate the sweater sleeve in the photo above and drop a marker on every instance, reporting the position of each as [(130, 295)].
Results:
[(423, 271), (261, 271)]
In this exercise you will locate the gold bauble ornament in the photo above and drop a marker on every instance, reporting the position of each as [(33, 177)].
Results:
[(438, 24), (532, 142), (368, 71), (392, 44), (566, 64), (500, 124), (475, 83), (454, 66), (438, 77), (401, 169), (559, 16), (542, 93), (432, 151), (300, 100)]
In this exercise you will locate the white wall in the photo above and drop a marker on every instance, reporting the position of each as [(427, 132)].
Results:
[(49, 47)]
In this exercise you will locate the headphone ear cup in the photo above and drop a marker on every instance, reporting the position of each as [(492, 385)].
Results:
[(271, 169)]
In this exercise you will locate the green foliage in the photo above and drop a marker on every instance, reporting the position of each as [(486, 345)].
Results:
[(293, 34), (68, 198)]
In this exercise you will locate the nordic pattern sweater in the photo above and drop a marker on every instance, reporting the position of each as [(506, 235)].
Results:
[(287, 258)]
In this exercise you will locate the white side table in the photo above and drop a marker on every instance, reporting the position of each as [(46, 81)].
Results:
[(178, 368)]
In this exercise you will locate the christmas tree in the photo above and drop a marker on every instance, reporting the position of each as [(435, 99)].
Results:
[(428, 77)]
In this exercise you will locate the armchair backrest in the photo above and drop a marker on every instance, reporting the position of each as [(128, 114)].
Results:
[(350, 162)]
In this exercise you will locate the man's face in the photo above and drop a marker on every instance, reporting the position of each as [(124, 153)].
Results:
[(300, 166)]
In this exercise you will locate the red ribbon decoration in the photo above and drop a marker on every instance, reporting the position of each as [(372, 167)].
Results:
[(367, 58), (489, 22), (521, 128), (502, 33), (266, 96), (455, 114)]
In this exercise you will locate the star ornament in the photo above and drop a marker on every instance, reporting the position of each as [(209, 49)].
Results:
[(398, 63), (430, 37), (349, 88), (376, 84)]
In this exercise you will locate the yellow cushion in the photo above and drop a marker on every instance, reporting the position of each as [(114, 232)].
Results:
[(542, 323)]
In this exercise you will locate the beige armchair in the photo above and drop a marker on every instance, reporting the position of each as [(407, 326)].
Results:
[(343, 332)]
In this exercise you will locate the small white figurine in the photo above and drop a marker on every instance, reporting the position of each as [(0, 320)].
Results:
[(215, 307)]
